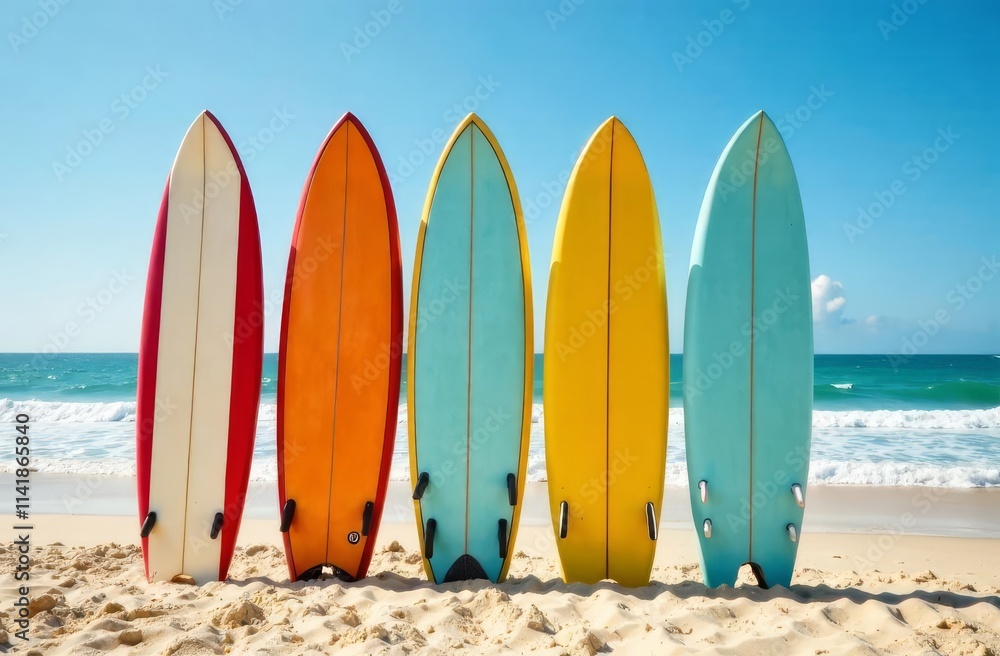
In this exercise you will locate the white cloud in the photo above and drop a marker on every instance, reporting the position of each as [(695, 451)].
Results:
[(828, 301)]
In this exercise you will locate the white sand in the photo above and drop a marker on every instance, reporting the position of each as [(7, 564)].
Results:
[(860, 593)]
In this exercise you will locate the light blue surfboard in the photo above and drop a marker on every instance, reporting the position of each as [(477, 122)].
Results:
[(470, 359), (748, 362)]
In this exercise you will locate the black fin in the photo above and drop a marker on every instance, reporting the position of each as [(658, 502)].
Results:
[(758, 574), (512, 489), (287, 513), (422, 481), (651, 520), (502, 537), (429, 538), (217, 525), (465, 569), (366, 517), (563, 519), (147, 525)]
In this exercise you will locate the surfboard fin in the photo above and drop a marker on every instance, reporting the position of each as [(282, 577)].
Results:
[(512, 489), (287, 513), (422, 481), (502, 537), (703, 487), (464, 569), (429, 538), (147, 525), (217, 525), (651, 520), (707, 528), (797, 493), (792, 534), (563, 519), (366, 517)]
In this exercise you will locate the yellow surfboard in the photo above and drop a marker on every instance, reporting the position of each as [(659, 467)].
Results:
[(606, 387)]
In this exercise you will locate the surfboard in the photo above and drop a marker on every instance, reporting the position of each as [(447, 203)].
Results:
[(469, 382), (339, 359), (748, 362), (200, 356), (606, 379)]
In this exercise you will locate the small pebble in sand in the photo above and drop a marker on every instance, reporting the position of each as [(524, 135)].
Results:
[(41, 603)]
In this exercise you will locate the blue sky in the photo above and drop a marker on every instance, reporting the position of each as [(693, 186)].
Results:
[(859, 89)]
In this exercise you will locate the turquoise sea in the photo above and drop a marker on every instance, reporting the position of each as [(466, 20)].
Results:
[(878, 420)]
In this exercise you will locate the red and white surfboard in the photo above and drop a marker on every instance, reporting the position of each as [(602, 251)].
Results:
[(199, 361)]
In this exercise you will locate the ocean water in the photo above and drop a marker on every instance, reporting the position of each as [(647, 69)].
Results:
[(928, 420)]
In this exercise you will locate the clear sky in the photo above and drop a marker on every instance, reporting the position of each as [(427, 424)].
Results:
[(859, 89)]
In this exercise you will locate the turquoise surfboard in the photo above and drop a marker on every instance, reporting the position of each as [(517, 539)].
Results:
[(748, 362), (470, 361)]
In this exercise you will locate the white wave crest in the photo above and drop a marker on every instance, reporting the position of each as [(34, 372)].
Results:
[(925, 419), (77, 467), (901, 473), (51, 411), (75, 412), (55, 411), (821, 472)]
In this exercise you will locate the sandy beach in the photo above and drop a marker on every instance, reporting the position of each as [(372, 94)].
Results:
[(858, 590)]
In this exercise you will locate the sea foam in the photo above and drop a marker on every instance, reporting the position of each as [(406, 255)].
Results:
[(981, 418), (54, 411), (821, 472)]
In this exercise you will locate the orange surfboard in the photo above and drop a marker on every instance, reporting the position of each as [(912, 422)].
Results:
[(339, 360)]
